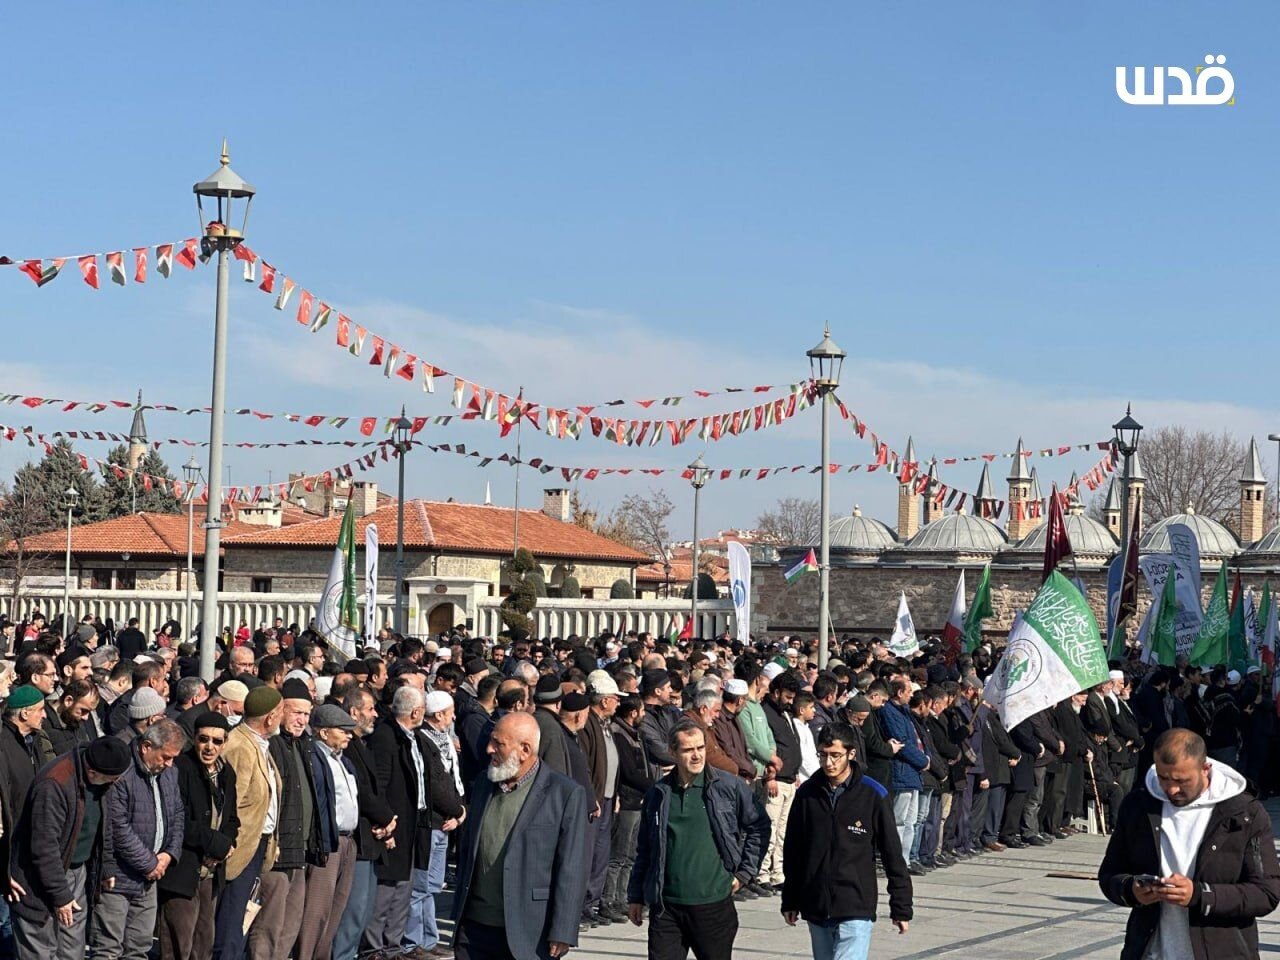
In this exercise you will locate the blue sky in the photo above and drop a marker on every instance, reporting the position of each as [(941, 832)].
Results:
[(595, 200)]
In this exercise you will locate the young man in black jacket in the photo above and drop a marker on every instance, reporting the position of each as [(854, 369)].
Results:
[(840, 823)]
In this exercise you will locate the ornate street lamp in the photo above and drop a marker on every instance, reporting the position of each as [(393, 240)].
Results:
[(699, 474), (191, 474), (225, 188), (402, 434), (1127, 432), (70, 497), (825, 363)]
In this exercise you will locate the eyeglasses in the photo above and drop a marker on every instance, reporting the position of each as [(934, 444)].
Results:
[(205, 738), (832, 757)]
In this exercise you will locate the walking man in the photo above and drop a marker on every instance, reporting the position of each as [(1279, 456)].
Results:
[(841, 822), (703, 835), (1192, 854)]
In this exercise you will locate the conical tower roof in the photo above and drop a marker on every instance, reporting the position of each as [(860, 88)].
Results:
[(1035, 493), (1135, 468), (985, 489), (910, 455), (1113, 497), (138, 430), (1252, 468), (1019, 470)]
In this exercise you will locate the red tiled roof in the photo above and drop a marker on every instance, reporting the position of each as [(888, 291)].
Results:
[(654, 572), (139, 534), (461, 527)]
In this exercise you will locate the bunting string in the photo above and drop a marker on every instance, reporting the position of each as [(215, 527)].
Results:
[(123, 266)]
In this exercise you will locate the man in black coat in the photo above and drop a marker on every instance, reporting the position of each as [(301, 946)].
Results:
[(189, 888), (520, 879), (1193, 855), (57, 841), (841, 822)]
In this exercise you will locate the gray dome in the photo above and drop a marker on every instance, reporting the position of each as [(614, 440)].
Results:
[(1088, 537), (958, 533), (1215, 540), (861, 534), (1270, 543)]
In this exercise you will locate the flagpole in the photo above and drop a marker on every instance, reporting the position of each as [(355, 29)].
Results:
[(516, 522)]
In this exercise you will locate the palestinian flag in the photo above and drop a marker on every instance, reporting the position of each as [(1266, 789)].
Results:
[(115, 263), (953, 632), (164, 259), (679, 628), (41, 274), (807, 565), (321, 317), (1054, 651)]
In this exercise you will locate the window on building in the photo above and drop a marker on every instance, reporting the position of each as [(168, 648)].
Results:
[(101, 579), (260, 585), (126, 580)]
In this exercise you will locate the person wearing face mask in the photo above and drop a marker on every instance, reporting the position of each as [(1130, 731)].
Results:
[(189, 889)]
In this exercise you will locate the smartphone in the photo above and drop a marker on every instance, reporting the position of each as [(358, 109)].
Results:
[(1147, 880)]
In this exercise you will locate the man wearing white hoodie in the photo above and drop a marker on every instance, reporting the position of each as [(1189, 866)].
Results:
[(1193, 855)]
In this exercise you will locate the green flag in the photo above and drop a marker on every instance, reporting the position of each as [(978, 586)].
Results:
[(338, 619), (1163, 638), (1264, 605), (978, 611), (1212, 642), (1237, 639), (1054, 651)]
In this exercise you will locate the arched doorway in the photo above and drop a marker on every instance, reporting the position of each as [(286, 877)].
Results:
[(440, 619)]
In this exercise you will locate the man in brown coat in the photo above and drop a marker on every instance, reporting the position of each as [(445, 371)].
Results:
[(704, 711), (728, 734)]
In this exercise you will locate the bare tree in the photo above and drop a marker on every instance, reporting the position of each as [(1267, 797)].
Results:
[(793, 522), (640, 519), (23, 514), (1190, 468)]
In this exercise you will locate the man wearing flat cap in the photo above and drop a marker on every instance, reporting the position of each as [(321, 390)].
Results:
[(553, 749), (61, 823)]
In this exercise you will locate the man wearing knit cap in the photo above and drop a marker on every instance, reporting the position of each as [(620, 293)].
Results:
[(24, 749), (145, 709), (49, 917), (283, 888), (258, 788)]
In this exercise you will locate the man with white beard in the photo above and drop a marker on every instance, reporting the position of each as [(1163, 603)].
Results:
[(520, 882)]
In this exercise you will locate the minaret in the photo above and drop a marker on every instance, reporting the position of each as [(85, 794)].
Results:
[(1137, 484), (932, 508), (1074, 506), (1019, 478), (1111, 508), (908, 500), (137, 451), (1035, 500), (984, 501), (1253, 490)]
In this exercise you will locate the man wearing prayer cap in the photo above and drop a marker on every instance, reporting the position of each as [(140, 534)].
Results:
[(61, 823)]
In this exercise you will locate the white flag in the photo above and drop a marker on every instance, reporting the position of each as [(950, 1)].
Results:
[(740, 589), (370, 582), (903, 643), (1054, 651)]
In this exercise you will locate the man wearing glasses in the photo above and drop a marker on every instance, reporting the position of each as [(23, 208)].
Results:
[(189, 889), (840, 822)]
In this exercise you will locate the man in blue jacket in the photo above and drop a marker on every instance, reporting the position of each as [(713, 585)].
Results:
[(904, 781), (702, 837)]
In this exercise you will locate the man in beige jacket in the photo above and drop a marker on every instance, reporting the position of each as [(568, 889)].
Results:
[(258, 787)]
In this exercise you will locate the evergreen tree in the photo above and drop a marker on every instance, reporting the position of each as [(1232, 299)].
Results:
[(41, 488), (119, 497)]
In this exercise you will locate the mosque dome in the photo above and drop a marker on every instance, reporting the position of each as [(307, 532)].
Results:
[(958, 533), (1215, 540), (1088, 538), (859, 534)]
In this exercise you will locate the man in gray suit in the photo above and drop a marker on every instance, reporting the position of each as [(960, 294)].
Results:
[(529, 818)]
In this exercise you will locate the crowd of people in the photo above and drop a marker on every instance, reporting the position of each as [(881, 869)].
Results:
[(303, 804)]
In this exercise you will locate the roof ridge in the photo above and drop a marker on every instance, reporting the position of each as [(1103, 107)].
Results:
[(428, 535)]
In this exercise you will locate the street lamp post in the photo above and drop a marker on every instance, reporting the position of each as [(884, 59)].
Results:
[(223, 187), (699, 473), (403, 433), (71, 496), (190, 473), (825, 361), (1127, 432)]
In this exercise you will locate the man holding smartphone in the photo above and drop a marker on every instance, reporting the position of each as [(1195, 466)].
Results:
[(1192, 853)]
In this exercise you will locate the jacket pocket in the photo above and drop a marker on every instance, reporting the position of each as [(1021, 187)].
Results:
[(540, 893)]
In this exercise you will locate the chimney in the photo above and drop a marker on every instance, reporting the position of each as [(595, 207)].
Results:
[(555, 504), (264, 513), (364, 495)]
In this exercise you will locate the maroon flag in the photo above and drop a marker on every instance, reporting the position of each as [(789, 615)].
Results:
[(1128, 605), (1057, 546)]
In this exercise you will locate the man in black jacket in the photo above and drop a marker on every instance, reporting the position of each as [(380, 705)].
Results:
[(189, 888), (1192, 854), (702, 837), (780, 782), (840, 823)]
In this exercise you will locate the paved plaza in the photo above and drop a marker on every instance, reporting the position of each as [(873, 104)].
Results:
[(994, 907)]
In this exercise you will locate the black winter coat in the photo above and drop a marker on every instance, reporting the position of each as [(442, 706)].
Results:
[(945, 751), (829, 854), (397, 780), (786, 742), (635, 773), (1236, 878), (373, 808), (200, 841), (878, 762), (299, 843)]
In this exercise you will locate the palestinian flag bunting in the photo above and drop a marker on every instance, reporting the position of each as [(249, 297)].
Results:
[(809, 564), (1054, 651)]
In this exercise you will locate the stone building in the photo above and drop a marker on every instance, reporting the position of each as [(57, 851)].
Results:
[(872, 563)]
